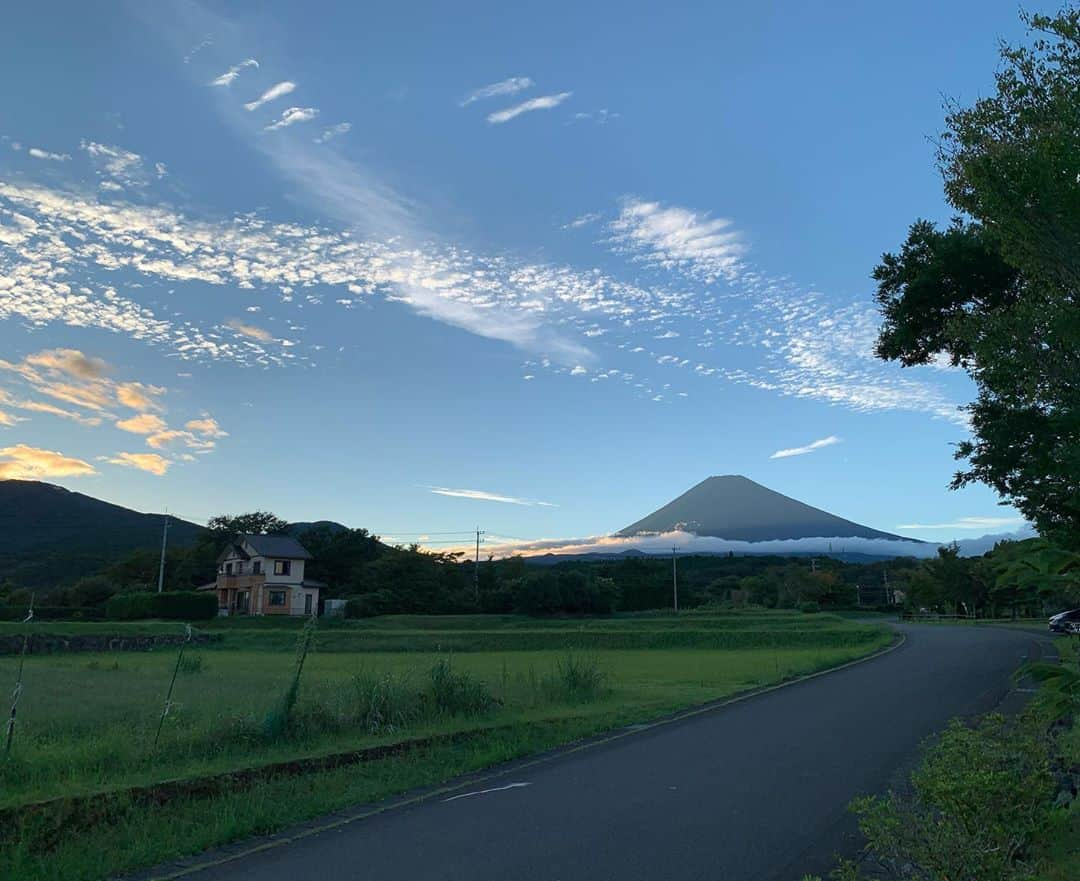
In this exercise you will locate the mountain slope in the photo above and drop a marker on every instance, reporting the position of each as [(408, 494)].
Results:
[(736, 508), (51, 536)]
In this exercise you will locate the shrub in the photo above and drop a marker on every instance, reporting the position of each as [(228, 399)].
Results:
[(364, 606), (810, 606), (175, 605), (450, 693), (382, 703), (576, 679), (974, 807), (51, 613)]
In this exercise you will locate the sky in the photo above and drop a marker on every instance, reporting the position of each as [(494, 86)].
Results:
[(534, 269)]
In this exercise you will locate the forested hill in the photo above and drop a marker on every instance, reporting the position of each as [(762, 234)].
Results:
[(50, 535)]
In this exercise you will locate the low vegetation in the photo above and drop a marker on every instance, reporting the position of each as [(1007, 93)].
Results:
[(992, 800), (87, 721)]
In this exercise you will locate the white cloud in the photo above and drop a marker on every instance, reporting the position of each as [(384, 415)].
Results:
[(205, 44), (334, 131), (545, 102), (983, 523), (510, 86), (705, 248), (38, 153), (227, 78), (600, 117), (482, 496), (583, 220), (273, 93), (809, 448), (292, 116), (792, 341), (120, 167)]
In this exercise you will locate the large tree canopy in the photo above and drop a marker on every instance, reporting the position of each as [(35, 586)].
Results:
[(998, 293)]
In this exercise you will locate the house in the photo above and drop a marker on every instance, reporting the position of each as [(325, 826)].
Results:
[(264, 575)]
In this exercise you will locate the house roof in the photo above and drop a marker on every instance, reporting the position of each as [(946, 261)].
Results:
[(313, 582), (233, 547), (282, 546)]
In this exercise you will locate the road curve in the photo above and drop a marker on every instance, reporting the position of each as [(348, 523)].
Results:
[(754, 791)]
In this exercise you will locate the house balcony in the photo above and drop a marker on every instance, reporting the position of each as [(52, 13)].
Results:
[(247, 581)]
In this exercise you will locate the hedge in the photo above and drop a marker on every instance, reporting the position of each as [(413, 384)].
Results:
[(52, 613), (187, 605)]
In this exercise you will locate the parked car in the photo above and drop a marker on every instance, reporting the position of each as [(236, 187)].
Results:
[(1065, 622)]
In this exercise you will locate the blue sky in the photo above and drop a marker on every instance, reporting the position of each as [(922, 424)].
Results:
[(370, 263)]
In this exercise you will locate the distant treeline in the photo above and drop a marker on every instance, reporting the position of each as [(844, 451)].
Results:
[(1024, 578)]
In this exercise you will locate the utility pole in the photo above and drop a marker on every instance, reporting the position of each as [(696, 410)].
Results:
[(675, 578), (161, 565), (476, 566), (885, 582)]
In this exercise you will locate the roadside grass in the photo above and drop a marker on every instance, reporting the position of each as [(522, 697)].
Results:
[(87, 720)]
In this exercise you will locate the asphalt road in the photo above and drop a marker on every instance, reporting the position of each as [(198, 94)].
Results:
[(751, 792)]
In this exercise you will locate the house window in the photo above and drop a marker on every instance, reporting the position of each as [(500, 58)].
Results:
[(256, 567), (282, 567), (228, 568), (277, 598)]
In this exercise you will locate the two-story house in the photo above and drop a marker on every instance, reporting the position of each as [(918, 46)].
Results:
[(264, 575)]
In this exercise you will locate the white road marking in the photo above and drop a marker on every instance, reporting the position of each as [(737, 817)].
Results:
[(485, 791)]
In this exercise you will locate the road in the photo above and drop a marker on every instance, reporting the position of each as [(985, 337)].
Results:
[(754, 791)]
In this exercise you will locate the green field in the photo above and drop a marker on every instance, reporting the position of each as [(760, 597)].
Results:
[(87, 721)]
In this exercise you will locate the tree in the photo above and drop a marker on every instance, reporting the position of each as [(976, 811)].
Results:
[(253, 523), (997, 293)]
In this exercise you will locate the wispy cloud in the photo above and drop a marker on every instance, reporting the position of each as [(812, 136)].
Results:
[(545, 102), (480, 495), (53, 410), (273, 93), (69, 361), (292, 116), (139, 396), (583, 220), (672, 237), (38, 153), (206, 426), (119, 167), (249, 330), (227, 78), (144, 423), (206, 43), (968, 523), (333, 132), (510, 86), (600, 117), (149, 462), (809, 448), (22, 462), (54, 246), (73, 377)]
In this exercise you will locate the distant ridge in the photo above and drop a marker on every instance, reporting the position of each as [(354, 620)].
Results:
[(736, 508), (50, 535)]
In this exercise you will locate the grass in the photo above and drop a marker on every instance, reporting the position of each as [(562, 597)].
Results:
[(87, 721)]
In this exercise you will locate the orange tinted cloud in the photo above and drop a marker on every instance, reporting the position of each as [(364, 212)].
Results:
[(22, 462)]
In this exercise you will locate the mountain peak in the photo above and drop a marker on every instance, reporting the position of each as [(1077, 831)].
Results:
[(734, 507)]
